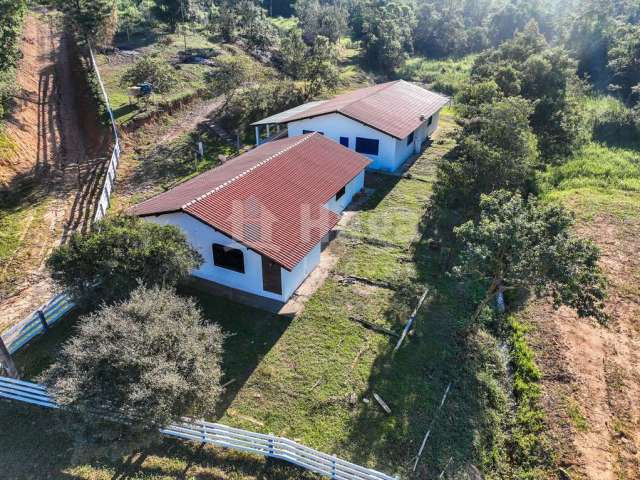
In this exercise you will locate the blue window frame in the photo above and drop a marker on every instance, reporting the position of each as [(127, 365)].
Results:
[(368, 146), (410, 138), (344, 141)]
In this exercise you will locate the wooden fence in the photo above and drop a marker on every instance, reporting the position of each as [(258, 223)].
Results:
[(222, 436)]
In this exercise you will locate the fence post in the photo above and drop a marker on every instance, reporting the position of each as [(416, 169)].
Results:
[(334, 473), (43, 320), (7, 361), (270, 445), (203, 432)]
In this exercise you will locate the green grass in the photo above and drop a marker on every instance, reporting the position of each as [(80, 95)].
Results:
[(446, 76), (575, 414)]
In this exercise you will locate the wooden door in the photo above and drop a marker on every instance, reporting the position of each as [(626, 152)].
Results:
[(271, 278)]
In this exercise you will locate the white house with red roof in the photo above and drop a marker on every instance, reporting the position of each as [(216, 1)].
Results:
[(388, 122), (259, 219)]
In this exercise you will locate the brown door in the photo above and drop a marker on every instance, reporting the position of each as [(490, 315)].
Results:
[(271, 280)]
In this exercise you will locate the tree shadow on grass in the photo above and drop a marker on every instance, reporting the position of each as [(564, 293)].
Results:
[(251, 333), (441, 350)]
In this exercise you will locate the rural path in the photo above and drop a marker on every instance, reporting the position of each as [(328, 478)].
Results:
[(591, 374), (55, 177)]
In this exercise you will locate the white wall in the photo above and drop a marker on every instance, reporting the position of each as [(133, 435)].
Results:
[(351, 189), (334, 126), (202, 237), (392, 153)]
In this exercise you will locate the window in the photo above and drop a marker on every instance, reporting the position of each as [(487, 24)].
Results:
[(304, 132), (430, 121), (229, 258), (410, 138), (341, 193), (344, 141), (368, 146)]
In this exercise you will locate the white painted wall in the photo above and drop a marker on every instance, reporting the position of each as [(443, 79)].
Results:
[(351, 189), (392, 153), (202, 237)]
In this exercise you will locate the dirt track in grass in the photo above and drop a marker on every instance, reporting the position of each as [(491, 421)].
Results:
[(52, 181)]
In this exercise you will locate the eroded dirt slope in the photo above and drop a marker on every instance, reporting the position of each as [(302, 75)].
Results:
[(592, 373), (53, 180)]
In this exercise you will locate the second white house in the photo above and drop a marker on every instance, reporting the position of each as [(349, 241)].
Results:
[(388, 122)]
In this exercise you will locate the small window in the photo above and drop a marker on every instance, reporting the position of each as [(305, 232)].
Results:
[(430, 121), (410, 138), (304, 132), (229, 258), (344, 141), (368, 146), (341, 193)]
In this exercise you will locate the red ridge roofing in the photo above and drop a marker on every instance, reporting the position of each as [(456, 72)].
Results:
[(394, 108), (271, 198)]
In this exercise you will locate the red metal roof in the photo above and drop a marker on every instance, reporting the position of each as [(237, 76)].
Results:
[(270, 199), (395, 108)]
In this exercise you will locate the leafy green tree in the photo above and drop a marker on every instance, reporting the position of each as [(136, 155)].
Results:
[(134, 367), (255, 27), (528, 67), (315, 64), (11, 14), (230, 75), (321, 19), (89, 17), (120, 253), (387, 33), (153, 70), (496, 150), (523, 245), (171, 12), (624, 63)]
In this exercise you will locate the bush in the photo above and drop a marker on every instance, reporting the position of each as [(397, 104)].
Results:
[(118, 255), (135, 366), (153, 70)]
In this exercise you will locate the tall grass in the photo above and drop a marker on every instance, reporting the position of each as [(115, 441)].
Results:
[(596, 166), (446, 76)]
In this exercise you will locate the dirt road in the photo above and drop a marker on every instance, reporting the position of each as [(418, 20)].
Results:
[(54, 179)]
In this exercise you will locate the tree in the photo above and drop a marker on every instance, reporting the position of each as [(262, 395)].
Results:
[(120, 253), (321, 19), (230, 74), (387, 33), (171, 12), (526, 66), (294, 52), (89, 17), (624, 63), (153, 70), (523, 245), (496, 150), (136, 366)]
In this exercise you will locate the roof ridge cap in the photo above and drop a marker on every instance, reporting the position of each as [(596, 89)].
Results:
[(246, 172)]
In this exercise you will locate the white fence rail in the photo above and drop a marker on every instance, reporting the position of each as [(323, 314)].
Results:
[(222, 436), (38, 322)]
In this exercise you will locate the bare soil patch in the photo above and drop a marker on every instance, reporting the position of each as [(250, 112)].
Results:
[(592, 377)]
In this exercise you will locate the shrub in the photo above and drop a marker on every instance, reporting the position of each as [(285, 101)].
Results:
[(153, 70), (135, 366), (118, 255)]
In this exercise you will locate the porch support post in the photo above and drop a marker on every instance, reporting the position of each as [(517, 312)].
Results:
[(257, 135), (268, 134)]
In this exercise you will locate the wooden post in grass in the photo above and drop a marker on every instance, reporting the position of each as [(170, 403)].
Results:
[(7, 361)]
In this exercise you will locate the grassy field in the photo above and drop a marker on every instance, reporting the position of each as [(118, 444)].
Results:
[(446, 76), (313, 379)]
